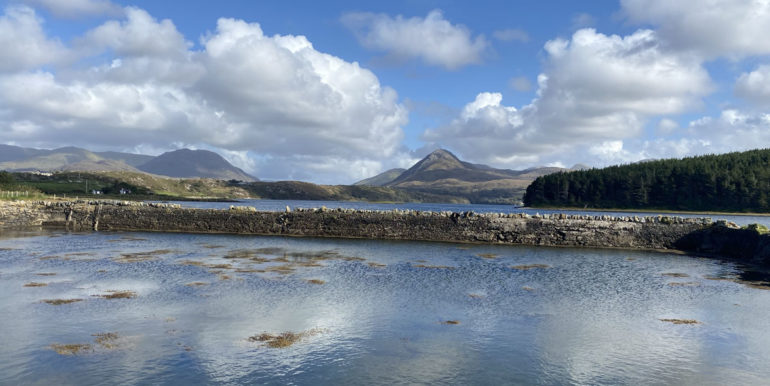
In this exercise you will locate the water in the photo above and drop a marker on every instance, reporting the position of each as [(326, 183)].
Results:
[(378, 316), (280, 205)]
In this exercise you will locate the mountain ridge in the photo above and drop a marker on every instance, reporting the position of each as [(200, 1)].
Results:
[(70, 158), (442, 172)]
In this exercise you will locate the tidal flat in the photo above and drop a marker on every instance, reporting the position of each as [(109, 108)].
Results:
[(167, 308)]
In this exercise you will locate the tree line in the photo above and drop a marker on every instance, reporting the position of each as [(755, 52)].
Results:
[(737, 182)]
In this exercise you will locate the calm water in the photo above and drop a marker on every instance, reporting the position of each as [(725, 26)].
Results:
[(377, 313), (280, 205)]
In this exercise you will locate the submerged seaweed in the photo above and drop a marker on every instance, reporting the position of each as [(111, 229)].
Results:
[(525, 267), (282, 340), (138, 257), (487, 255), (681, 321), (71, 348), (118, 295), (58, 302)]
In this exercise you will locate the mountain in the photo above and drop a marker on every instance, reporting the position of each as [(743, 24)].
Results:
[(442, 173), (381, 179), (443, 169), (15, 153), (127, 158), (181, 163), (186, 163), (65, 158), (735, 182)]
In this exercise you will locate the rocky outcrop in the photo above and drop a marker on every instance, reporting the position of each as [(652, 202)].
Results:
[(659, 232)]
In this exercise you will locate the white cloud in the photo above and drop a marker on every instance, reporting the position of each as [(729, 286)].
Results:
[(732, 28), (138, 35), (433, 39), (755, 86), (23, 41), (667, 126), (272, 103), (733, 130), (78, 8), (511, 34), (596, 90)]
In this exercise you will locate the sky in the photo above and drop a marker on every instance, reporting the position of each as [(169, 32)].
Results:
[(337, 91)]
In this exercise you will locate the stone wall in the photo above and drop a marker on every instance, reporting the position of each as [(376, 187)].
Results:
[(659, 232), (555, 230), (22, 214)]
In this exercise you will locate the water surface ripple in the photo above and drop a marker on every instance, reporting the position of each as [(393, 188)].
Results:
[(160, 308)]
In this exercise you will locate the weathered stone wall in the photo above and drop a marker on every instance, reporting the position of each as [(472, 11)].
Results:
[(660, 232), (21, 214), (555, 230)]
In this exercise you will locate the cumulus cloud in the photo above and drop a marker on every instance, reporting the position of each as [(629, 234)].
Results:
[(78, 8), (755, 86), (596, 90), (271, 103), (731, 130), (432, 39), (24, 44), (732, 28), (511, 34), (667, 126)]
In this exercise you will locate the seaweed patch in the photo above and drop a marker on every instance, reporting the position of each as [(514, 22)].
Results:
[(525, 267), (282, 340), (58, 302)]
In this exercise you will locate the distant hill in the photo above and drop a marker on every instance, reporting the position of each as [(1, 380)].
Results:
[(66, 158), (15, 153), (382, 179), (297, 190), (181, 163), (442, 173), (127, 158), (186, 163), (738, 182)]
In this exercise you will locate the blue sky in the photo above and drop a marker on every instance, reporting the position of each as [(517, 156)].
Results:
[(336, 91)]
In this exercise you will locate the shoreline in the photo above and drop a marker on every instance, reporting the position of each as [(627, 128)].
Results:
[(666, 211), (699, 236)]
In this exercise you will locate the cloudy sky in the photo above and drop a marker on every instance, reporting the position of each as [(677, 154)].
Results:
[(336, 91)]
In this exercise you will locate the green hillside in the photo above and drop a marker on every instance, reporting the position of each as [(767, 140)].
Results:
[(735, 182)]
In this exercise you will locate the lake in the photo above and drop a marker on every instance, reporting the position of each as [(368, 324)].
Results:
[(165, 308), (280, 205)]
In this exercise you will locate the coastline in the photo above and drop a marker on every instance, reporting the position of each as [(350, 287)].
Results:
[(700, 236), (667, 211)]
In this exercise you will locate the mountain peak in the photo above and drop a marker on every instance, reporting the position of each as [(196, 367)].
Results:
[(186, 163), (440, 159), (442, 153)]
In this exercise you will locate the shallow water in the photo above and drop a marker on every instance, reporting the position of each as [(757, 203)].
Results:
[(280, 205), (376, 314)]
